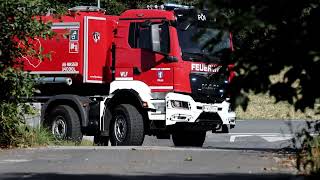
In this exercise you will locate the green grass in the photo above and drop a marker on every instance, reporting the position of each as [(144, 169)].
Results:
[(264, 107), (72, 143), (33, 137), (38, 137)]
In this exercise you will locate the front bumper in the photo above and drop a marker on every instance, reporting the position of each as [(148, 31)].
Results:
[(217, 113)]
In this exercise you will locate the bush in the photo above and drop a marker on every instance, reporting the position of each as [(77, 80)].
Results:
[(308, 144), (33, 137), (18, 25), (15, 86)]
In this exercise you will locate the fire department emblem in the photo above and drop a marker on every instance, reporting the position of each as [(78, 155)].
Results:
[(160, 74), (96, 37)]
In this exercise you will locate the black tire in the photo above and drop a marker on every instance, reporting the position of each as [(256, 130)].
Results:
[(189, 138), (127, 127), (64, 123), (101, 140)]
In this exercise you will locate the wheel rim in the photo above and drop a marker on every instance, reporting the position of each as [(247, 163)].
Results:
[(59, 127), (120, 128)]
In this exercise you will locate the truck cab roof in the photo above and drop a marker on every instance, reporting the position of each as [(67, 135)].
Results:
[(147, 14)]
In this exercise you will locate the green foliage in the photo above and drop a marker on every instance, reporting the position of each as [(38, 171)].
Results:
[(115, 7), (111, 6), (15, 84), (308, 145), (271, 37), (40, 136), (33, 137), (18, 26)]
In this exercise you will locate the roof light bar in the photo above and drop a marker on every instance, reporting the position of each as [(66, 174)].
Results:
[(169, 6), (172, 6), (155, 7), (86, 9)]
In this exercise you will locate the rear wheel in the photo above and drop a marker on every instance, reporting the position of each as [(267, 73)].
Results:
[(64, 123), (127, 128), (189, 138)]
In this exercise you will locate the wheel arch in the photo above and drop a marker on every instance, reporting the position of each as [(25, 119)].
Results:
[(138, 89), (125, 96), (78, 103)]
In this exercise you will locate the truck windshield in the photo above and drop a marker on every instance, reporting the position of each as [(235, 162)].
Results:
[(200, 43)]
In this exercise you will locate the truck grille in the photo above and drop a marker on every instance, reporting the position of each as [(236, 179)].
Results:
[(208, 88)]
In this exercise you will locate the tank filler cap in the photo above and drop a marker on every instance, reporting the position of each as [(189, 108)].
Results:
[(87, 9)]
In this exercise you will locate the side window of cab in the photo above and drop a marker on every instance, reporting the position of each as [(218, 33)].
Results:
[(150, 36)]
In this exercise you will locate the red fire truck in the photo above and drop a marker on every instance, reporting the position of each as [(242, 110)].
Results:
[(145, 72)]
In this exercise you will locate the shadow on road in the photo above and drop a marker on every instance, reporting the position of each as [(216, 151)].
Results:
[(28, 176)]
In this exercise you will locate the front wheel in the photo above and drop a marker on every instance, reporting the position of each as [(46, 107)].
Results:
[(127, 127), (189, 138)]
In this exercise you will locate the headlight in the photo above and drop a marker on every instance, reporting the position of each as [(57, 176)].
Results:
[(179, 104)]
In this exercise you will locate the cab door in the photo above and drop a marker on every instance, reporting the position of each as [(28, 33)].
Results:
[(152, 42)]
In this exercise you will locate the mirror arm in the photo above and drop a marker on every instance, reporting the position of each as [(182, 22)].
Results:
[(172, 58)]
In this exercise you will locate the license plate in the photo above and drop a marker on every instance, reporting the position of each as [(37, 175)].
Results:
[(208, 108)]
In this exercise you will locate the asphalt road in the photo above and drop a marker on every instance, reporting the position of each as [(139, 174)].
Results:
[(248, 134), (250, 151)]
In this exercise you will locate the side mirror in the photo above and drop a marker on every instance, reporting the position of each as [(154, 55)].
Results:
[(160, 38), (155, 37)]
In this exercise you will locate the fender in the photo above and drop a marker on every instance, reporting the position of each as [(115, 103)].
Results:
[(133, 92), (139, 88), (80, 105)]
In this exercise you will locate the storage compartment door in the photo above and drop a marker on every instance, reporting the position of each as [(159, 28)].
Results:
[(95, 49)]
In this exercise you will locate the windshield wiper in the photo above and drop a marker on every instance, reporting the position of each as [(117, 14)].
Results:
[(190, 56)]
